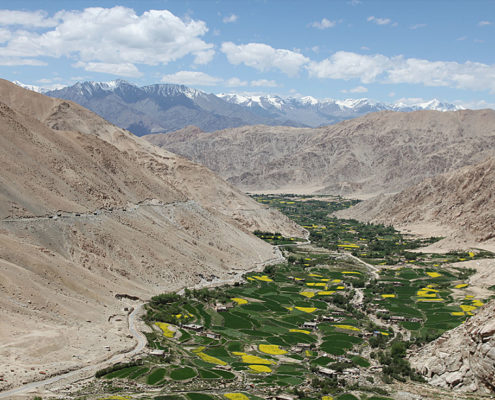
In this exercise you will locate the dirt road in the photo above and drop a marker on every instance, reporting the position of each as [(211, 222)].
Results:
[(90, 370)]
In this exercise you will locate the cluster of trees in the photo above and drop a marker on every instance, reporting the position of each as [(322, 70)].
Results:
[(327, 385), (206, 295), (117, 367), (395, 365)]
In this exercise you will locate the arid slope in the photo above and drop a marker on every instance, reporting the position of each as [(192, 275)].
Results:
[(463, 358), (462, 201), (380, 152), (134, 220)]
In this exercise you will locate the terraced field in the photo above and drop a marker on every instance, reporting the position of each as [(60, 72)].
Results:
[(318, 327)]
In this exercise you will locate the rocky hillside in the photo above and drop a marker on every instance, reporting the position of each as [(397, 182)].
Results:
[(380, 152), (91, 214), (462, 200), (463, 358)]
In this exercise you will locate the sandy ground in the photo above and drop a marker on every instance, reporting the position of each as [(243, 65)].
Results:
[(296, 189), (50, 349), (480, 281), (308, 190), (125, 343), (449, 243)]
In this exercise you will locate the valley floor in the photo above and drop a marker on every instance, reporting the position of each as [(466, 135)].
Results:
[(336, 321)]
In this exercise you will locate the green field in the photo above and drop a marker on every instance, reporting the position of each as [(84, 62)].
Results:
[(276, 328)]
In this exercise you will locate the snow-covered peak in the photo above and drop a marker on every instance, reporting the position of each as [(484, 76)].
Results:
[(172, 89), (266, 101), (419, 104), (34, 88), (310, 100), (438, 105), (347, 105)]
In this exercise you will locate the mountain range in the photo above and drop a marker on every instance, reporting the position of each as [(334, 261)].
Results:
[(163, 108), (382, 152), (312, 112)]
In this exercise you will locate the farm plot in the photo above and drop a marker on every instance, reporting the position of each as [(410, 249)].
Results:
[(280, 327)]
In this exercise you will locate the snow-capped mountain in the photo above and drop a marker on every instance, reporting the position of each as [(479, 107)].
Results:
[(33, 88), (167, 107), (313, 112), (157, 108)]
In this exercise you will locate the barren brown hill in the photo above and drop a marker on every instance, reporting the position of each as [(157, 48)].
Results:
[(461, 201), (381, 152), (463, 358), (89, 212)]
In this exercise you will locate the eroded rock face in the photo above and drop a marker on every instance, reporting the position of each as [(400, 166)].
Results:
[(383, 152), (462, 200), (463, 358)]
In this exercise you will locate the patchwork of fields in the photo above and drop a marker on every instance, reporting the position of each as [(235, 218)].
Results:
[(318, 327)]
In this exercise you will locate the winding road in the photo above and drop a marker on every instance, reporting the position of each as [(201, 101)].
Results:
[(90, 369), (374, 270), (69, 215)]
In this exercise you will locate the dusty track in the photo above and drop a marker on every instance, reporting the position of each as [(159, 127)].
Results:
[(89, 370)]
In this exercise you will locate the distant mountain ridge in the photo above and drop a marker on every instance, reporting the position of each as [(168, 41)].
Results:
[(382, 152), (156, 108), (161, 108), (313, 112)]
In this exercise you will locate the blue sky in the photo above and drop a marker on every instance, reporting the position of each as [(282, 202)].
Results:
[(384, 50)]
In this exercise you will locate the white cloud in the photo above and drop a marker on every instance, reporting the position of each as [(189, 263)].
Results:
[(391, 94), (417, 26), (229, 19), (111, 36), (11, 61), (192, 78), (346, 65), (462, 38), (484, 23), (121, 69), (264, 57), (474, 104), (235, 82), (264, 83), (196, 78), (379, 21), (469, 75), (35, 19), (323, 24), (5, 35), (204, 57), (372, 68), (358, 89)]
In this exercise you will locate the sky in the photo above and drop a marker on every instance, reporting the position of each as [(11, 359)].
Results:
[(388, 51)]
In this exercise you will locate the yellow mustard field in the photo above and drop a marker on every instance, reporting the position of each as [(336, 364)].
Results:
[(300, 331), (306, 309), (167, 332), (236, 396), (348, 327), (239, 301), (272, 349), (260, 368), (250, 359)]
